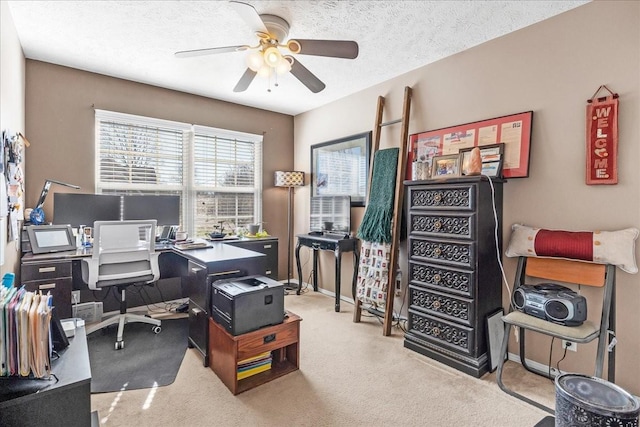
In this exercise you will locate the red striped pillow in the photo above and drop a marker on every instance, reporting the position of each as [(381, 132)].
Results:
[(602, 247)]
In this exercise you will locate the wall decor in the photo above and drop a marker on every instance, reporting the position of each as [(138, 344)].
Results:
[(602, 138), (341, 168), (492, 159), (446, 166), (514, 131)]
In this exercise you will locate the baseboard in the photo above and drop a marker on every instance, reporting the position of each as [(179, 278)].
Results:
[(535, 365)]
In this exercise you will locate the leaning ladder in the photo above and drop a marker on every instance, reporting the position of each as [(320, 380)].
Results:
[(397, 206)]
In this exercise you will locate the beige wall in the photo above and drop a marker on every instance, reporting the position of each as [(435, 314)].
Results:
[(12, 110), (551, 68), (60, 104)]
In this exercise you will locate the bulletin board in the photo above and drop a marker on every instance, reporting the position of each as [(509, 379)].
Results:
[(514, 131)]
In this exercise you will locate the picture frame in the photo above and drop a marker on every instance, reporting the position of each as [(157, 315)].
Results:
[(492, 159), (495, 335), (513, 130), (446, 166), (341, 168)]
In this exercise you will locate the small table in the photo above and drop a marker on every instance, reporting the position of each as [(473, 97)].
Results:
[(226, 350), (328, 243)]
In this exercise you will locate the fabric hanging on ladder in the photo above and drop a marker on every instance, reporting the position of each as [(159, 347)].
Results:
[(376, 223), (375, 230)]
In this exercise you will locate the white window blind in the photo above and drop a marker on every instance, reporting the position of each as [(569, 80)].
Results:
[(216, 172)]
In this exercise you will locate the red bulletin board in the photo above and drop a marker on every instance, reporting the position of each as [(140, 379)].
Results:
[(513, 130)]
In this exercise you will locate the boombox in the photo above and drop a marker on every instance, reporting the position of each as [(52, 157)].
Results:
[(551, 302)]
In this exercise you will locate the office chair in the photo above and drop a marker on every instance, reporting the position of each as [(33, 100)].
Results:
[(123, 255), (567, 271)]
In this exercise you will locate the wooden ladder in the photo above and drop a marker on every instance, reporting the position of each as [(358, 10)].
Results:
[(397, 206)]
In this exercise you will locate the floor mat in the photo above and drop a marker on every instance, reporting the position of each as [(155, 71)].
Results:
[(147, 359)]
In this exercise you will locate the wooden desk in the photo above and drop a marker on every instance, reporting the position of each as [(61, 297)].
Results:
[(65, 402), (225, 350), (338, 246)]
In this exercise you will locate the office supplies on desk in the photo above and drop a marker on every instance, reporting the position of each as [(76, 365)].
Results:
[(192, 245)]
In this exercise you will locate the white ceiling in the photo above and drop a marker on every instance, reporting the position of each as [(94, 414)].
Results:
[(136, 40)]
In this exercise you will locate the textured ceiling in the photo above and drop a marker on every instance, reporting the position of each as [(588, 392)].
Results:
[(136, 40)]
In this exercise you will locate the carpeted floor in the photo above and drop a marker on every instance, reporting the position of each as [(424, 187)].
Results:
[(147, 359), (350, 375)]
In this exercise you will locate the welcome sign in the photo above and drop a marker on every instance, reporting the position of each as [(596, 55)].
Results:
[(602, 140)]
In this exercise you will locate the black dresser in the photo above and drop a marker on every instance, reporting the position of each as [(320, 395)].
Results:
[(454, 275)]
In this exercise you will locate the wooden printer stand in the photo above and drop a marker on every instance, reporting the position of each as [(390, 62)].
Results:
[(225, 350)]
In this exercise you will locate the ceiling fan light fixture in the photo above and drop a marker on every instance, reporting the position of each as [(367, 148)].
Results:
[(264, 71), (284, 66), (293, 46), (255, 60), (272, 56)]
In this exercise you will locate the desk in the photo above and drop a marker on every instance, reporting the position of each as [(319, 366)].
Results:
[(338, 246), (195, 269), (66, 402)]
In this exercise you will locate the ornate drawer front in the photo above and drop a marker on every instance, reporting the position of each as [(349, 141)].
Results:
[(454, 253), (449, 280), (443, 225), (453, 336), (451, 197), (455, 309)]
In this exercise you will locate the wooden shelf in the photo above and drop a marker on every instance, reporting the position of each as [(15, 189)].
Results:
[(225, 350)]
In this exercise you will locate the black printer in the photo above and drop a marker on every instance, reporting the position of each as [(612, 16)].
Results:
[(248, 303)]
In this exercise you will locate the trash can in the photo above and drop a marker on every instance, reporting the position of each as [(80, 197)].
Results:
[(590, 401)]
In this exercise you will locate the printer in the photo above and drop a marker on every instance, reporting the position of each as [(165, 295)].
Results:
[(247, 303)]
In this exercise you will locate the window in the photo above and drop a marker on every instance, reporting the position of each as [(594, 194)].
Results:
[(217, 173)]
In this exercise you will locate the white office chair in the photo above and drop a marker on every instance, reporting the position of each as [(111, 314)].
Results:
[(123, 255)]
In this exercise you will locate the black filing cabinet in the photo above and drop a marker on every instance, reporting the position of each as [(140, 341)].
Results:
[(205, 267), (267, 246), (52, 276), (454, 275)]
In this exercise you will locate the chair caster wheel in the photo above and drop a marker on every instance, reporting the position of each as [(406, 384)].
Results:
[(156, 329), (119, 345)]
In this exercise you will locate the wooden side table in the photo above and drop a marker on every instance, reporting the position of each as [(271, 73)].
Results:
[(225, 350)]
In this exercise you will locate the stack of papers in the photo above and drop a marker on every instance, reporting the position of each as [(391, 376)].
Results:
[(192, 245), (254, 365), (25, 340)]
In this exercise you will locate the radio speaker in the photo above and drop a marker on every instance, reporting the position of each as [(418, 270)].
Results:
[(552, 302)]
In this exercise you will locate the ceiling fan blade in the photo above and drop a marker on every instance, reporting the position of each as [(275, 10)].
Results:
[(333, 48), (250, 15), (307, 78), (209, 51), (245, 80)]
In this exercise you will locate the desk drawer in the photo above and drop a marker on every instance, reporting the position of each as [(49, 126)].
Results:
[(60, 290), (267, 339), (45, 270)]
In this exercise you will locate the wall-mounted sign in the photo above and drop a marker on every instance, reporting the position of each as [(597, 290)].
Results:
[(602, 139)]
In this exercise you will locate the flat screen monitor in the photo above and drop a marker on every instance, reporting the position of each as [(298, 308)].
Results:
[(84, 209), (51, 238), (331, 214), (165, 209)]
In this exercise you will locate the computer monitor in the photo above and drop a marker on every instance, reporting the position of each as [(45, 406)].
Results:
[(84, 209), (51, 238), (165, 209)]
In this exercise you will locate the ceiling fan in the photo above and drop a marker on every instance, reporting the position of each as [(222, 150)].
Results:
[(267, 58)]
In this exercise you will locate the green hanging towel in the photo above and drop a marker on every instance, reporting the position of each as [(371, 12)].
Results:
[(376, 224)]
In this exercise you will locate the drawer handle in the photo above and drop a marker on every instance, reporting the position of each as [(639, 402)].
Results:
[(437, 251), (436, 304), (435, 332), (268, 272), (225, 273), (46, 269), (47, 286), (437, 225), (437, 197), (269, 338), (267, 246), (437, 278)]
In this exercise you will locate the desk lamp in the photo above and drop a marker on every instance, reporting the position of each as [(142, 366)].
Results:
[(37, 214), (289, 180)]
